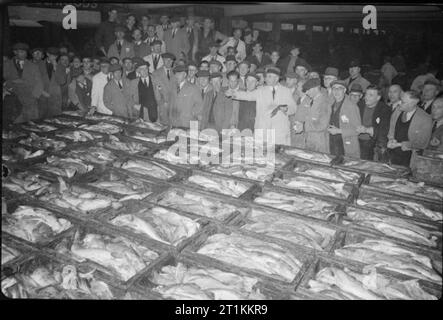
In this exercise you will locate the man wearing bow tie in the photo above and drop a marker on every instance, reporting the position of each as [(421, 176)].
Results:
[(176, 39), (121, 48), (116, 95), (99, 82)]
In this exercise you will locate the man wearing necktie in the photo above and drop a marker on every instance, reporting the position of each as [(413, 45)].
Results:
[(24, 78), (99, 82), (436, 142), (80, 91), (155, 59), (431, 89), (394, 96), (203, 83), (176, 39), (121, 48), (192, 34), (116, 95)]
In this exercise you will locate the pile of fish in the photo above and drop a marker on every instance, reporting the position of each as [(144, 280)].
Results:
[(154, 138), (9, 135), (250, 253), (43, 143), (185, 156), (312, 185), (159, 224), (130, 188), (289, 229), (55, 281), (102, 127), (19, 154), (309, 155), (24, 182), (254, 172), (344, 284), (327, 173), (73, 113), (65, 167), (307, 206), (405, 186), (191, 283), (130, 147), (403, 207), (31, 126), (226, 186), (64, 122), (385, 254), (392, 226), (176, 132), (372, 166), (97, 117), (8, 253), (97, 155), (79, 199), (122, 257), (155, 126), (150, 168), (78, 135), (198, 204), (33, 224)]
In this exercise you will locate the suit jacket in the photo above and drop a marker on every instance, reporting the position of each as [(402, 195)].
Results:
[(150, 58), (292, 62), (178, 44), (119, 101), (380, 122), (438, 134), (99, 82), (73, 94), (161, 106), (130, 76), (148, 41), (193, 41), (127, 50), (265, 60), (167, 86), (141, 50), (222, 111), (186, 106)]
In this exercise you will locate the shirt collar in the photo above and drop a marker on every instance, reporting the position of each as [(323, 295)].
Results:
[(410, 114)]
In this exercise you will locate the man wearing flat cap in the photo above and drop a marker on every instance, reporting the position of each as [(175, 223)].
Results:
[(128, 68), (274, 105), (141, 48), (186, 103), (121, 48), (168, 83), (176, 39), (147, 95), (99, 82), (116, 95), (345, 119), (192, 71), (356, 94), (312, 118), (155, 59), (24, 79), (356, 77), (214, 56)]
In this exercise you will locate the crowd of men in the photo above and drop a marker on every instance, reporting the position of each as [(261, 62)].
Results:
[(180, 70)]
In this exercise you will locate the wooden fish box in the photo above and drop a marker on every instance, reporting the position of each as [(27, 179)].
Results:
[(28, 127), (132, 126), (286, 151), (357, 267), (305, 257), (190, 261), (352, 237), (429, 169), (151, 148), (26, 253), (66, 121), (7, 149)]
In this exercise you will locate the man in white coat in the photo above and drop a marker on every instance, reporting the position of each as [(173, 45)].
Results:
[(274, 104), (99, 82), (238, 45)]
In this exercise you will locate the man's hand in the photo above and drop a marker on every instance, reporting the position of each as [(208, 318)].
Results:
[(334, 130), (360, 129), (406, 146), (392, 144), (91, 111), (137, 107), (298, 127), (370, 131)]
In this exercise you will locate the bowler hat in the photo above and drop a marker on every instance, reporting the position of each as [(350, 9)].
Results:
[(354, 63)]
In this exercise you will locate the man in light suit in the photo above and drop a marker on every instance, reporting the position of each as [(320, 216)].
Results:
[(99, 82), (155, 59), (146, 95), (121, 48), (116, 95), (176, 39), (141, 49), (24, 78), (187, 103)]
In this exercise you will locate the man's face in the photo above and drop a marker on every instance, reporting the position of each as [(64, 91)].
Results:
[(168, 62), (216, 84), (338, 92), (407, 104), (96, 64), (119, 35), (429, 92), (354, 71), (182, 21), (81, 78), (117, 75), (327, 80), (180, 76), (51, 57), (275, 56), (253, 67), (114, 61), (157, 48), (394, 93), (203, 81), (130, 20), (137, 35), (355, 97), (76, 63), (301, 72), (112, 15), (21, 54), (262, 79), (128, 65), (151, 31), (37, 55), (144, 21), (143, 71), (207, 23), (231, 52), (313, 75), (257, 48), (204, 66), (291, 82), (214, 68), (243, 69), (230, 65), (437, 109), (192, 70), (233, 82), (86, 63), (295, 52), (237, 34), (104, 67), (271, 79), (251, 83), (371, 97), (64, 61)]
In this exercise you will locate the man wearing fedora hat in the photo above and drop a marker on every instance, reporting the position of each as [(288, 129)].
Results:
[(116, 95), (147, 94), (176, 39), (23, 77), (121, 48)]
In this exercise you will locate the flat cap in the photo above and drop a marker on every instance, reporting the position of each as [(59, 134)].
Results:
[(114, 58), (330, 71), (311, 83), (356, 87), (233, 73), (180, 68), (192, 63), (338, 83), (155, 42), (139, 62), (216, 62), (104, 60), (354, 63), (253, 75), (168, 55), (215, 75), (52, 50), (304, 64), (230, 58), (115, 67), (273, 70), (291, 75), (37, 49), (20, 46), (259, 71), (119, 29), (432, 81), (202, 73)]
